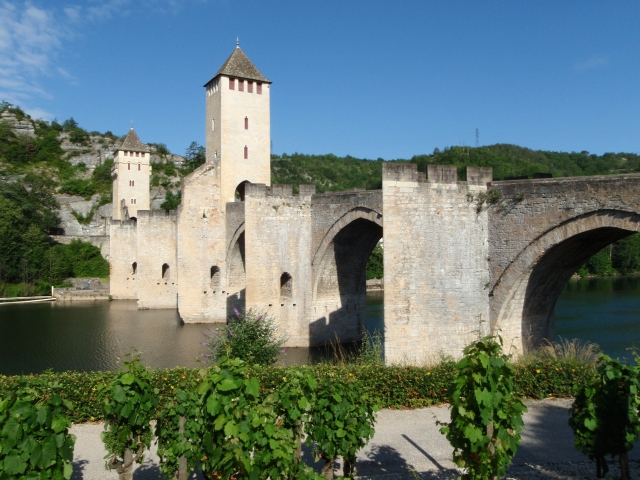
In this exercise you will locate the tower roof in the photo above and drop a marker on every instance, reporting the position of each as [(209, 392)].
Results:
[(238, 65), (133, 143)]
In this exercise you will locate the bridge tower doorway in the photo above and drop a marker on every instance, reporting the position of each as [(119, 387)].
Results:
[(339, 290)]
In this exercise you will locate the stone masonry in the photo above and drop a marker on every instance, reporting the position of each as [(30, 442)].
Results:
[(462, 258)]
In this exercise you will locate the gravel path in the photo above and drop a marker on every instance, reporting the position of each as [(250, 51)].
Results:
[(408, 445)]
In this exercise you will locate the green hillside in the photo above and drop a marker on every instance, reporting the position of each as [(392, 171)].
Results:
[(39, 159)]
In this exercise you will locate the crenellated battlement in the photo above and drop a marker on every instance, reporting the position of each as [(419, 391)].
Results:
[(123, 223), (157, 214), (436, 174), (278, 190)]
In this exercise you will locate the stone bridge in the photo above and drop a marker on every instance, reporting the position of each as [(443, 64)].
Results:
[(462, 259), (540, 232)]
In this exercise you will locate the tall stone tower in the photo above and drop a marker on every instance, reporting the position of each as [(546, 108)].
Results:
[(238, 125), (130, 173)]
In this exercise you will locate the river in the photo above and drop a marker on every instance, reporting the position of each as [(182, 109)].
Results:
[(95, 336)]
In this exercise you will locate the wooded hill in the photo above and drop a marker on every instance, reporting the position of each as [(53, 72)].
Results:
[(40, 159)]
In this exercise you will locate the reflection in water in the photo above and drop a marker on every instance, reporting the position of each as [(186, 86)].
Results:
[(605, 311), (95, 336)]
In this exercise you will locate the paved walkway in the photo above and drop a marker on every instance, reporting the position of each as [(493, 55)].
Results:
[(408, 445)]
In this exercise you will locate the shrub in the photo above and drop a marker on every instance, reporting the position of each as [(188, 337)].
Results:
[(244, 437), (129, 405), (82, 188), (34, 432), (486, 419), (251, 336), (179, 430), (604, 415), (342, 420)]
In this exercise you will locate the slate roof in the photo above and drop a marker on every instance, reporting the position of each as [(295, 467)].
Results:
[(238, 65), (132, 143)]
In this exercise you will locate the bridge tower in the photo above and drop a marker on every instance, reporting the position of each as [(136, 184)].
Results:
[(238, 126), (130, 173)]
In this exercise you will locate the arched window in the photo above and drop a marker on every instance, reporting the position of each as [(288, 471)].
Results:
[(134, 268), (215, 277), (246, 152), (246, 123), (165, 271), (286, 287)]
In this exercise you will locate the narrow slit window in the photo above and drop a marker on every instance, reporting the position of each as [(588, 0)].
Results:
[(139, 165), (213, 124), (166, 275), (215, 277), (241, 85), (286, 286), (250, 87), (128, 166), (232, 84), (134, 268), (246, 152), (259, 88), (246, 123)]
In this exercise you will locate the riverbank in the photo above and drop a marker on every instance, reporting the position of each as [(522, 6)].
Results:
[(408, 445)]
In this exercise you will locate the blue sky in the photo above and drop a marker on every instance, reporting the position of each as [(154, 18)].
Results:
[(365, 78)]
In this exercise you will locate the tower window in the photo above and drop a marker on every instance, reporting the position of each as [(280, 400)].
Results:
[(246, 123), (241, 85), (246, 152), (133, 183), (137, 154), (250, 87), (213, 124), (125, 153), (128, 166), (142, 154), (259, 88), (134, 268), (232, 84), (139, 165), (165, 271)]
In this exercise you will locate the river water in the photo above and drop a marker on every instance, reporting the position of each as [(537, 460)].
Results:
[(96, 336)]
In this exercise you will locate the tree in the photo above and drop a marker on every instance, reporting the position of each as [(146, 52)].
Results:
[(194, 157)]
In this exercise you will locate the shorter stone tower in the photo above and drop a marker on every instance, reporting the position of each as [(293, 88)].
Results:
[(130, 173)]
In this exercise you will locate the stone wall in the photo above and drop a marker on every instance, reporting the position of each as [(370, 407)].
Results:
[(157, 268), (540, 232), (123, 247), (202, 247), (277, 246), (435, 262)]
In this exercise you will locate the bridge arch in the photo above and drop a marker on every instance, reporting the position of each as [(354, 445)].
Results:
[(339, 275), (524, 296), (236, 273)]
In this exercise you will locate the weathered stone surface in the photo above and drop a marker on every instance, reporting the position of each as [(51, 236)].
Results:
[(540, 232)]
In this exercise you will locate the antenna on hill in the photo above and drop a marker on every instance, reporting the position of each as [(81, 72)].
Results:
[(477, 137)]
